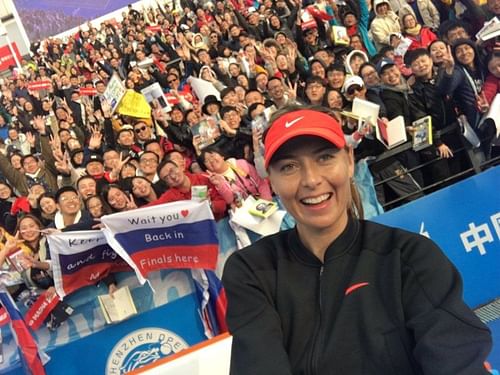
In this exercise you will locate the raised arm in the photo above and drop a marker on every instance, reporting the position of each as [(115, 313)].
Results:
[(254, 323)]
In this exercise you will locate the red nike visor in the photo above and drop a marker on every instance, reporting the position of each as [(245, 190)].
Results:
[(298, 123)]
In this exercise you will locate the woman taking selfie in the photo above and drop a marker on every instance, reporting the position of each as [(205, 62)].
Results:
[(337, 294)]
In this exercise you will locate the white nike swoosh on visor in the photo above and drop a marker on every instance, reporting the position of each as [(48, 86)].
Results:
[(291, 123)]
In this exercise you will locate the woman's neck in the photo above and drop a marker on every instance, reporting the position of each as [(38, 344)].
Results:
[(34, 245), (223, 169), (151, 196), (317, 241)]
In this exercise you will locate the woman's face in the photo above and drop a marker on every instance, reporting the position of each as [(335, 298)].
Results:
[(317, 70), (369, 75), (382, 9), (437, 51), (213, 109), (215, 162), (29, 230), (494, 66), (356, 43), (141, 188), (5, 191), (127, 171), (78, 158), (206, 75), (242, 80), (94, 205), (176, 115), (15, 160), (409, 21), (281, 39), (275, 22), (334, 100), (356, 63), (282, 62), (48, 205), (117, 199), (64, 136), (234, 70), (46, 106), (192, 118), (313, 181), (465, 54)]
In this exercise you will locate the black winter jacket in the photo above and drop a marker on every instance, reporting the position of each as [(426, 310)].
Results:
[(385, 301), (426, 100), (459, 87), (396, 103)]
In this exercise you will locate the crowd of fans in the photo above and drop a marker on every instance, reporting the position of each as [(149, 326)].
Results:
[(67, 158)]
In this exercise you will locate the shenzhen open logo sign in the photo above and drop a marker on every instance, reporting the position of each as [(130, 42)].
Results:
[(142, 347)]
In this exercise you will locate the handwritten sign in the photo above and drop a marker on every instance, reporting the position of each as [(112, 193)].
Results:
[(173, 235), (81, 258), (115, 90), (134, 104)]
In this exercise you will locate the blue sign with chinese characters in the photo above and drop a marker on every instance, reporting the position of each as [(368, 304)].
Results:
[(464, 220)]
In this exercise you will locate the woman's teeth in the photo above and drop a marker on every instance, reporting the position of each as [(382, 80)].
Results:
[(316, 200)]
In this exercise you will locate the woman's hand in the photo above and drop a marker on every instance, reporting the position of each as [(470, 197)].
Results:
[(225, 127), (106, 109), (444, 151), (131, 205), (448, 61), (28, 261), (31, 139), (95, 138), (12, 244), (115, 173), (62, 164), (112, 288), (256, 138), (215, 179)]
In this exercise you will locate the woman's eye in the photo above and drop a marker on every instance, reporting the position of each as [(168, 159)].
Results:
[(287, 168), (326, 157)]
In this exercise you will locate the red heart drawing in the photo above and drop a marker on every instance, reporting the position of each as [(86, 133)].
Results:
[(185, 213)]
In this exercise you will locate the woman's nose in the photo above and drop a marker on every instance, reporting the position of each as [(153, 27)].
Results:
[(311, 175)]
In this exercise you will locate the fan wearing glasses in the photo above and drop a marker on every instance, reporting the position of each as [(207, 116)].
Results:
[(70, 215), (354, 87), (143, 133)]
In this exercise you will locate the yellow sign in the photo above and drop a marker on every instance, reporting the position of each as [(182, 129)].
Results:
[(134, 104)]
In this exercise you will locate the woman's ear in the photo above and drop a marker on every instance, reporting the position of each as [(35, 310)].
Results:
[(350, 156)]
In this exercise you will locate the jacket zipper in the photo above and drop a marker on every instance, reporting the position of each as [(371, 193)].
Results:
[(314, 351)]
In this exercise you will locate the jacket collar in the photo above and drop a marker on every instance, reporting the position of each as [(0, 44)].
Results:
[(337, 248)]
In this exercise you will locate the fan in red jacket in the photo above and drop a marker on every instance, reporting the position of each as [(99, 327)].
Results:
[(491, 85), (180, 184), (421, 36)]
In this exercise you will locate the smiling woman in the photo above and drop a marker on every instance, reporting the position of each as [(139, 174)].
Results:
[(338, 294)]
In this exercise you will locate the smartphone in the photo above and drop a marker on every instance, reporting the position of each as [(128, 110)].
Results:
[(259, 123)]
